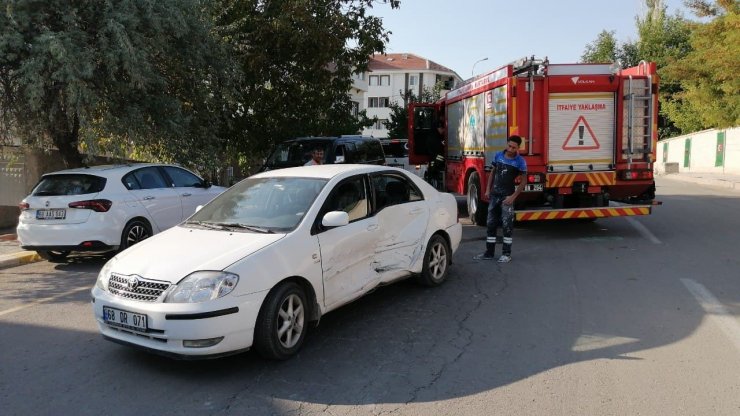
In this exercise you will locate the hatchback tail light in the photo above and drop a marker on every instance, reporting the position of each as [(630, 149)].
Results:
[(24, 206), (97, 205)]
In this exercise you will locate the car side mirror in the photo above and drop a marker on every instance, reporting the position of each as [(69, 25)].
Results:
[(205, 184), (335, 219)]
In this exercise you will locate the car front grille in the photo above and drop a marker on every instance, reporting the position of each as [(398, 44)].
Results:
[(136, 287)]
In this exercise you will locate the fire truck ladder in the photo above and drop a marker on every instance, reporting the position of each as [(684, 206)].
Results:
[(639, 101)]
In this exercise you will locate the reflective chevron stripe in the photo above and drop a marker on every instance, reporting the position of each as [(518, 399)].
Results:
[(566, 180), (577, 213)]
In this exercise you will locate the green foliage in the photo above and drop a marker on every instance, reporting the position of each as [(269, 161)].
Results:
[(296, 59), (708, 95), (139, 73), (397, 123), (603, 49)]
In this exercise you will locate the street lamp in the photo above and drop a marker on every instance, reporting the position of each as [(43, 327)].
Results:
[(472, 73)]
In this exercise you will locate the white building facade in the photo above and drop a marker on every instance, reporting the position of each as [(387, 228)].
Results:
[(390, 75)]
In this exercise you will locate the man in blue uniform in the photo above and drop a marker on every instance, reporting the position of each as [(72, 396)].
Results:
[(501, 192)]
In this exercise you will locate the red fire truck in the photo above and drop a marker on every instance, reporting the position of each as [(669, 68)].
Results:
[(589, 137)]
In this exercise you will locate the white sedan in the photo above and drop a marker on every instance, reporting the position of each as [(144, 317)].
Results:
[(272, 254)]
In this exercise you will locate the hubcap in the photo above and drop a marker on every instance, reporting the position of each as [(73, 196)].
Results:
[(438, 261), (136, 234), (290, 321)]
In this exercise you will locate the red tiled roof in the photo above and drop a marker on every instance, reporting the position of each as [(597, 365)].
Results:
[(404, 61)]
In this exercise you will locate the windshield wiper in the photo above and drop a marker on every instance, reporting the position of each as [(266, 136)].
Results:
[(205, 224), (247, 227)]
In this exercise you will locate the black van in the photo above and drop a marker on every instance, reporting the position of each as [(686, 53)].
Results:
[(342, 149)]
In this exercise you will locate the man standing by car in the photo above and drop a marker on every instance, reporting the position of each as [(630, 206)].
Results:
[(317, 155), (501, 192)]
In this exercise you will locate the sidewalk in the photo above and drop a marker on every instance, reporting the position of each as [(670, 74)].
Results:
[(728, 181), (11, 254)]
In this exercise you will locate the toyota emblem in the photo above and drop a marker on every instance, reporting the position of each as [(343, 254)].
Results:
[(132, 283)]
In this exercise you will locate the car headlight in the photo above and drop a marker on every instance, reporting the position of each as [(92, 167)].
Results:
[(104, 275), (202, 286)]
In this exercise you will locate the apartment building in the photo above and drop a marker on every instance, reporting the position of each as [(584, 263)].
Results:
[(389, 76)]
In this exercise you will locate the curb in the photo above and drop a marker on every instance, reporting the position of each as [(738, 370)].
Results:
[(719, 183), (17, 259)]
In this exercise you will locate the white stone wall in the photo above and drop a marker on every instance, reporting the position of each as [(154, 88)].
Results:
[(703, 154)]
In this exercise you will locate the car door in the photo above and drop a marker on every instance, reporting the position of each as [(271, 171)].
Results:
[(152, 190), (347, 252), (403, 217), (190, 188)]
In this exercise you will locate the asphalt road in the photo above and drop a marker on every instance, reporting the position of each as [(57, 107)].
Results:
[(615, 317)]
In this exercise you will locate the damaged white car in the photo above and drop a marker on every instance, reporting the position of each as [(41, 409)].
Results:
[(261, 262)]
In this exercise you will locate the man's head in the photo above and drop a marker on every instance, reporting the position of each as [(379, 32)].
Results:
[(512, 145), (317, 154)]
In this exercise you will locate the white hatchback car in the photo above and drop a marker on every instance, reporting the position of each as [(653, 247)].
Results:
[(106, 208), (273, 253)]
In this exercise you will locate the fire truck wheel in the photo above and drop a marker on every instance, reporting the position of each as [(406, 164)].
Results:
[(477, 209)]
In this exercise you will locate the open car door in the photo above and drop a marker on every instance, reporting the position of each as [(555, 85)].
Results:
[(422, 131)]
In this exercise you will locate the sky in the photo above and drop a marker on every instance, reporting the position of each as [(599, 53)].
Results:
[(458, 33)]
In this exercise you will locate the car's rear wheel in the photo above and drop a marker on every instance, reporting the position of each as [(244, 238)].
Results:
[(436, 262), (281, 324), (54, 256), (135, 231)]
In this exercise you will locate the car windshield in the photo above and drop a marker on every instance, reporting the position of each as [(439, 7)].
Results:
[(260, 205), (68, 184), (296, 153)]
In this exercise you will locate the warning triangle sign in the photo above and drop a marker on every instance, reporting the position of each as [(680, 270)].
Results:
[(581, 137)]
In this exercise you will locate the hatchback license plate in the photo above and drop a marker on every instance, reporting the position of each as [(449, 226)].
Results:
[(51, 214), (536, 187), (126, 319)]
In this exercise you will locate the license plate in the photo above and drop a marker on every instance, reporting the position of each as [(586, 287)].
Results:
[(51, 214), (535, 187), (126, 319)]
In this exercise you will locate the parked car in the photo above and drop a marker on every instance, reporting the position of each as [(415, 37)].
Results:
[(397, 155), (342, 149), (271, 255), (106, 208)]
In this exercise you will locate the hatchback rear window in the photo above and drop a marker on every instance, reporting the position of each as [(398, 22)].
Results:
[(55, 185), (395, 149)]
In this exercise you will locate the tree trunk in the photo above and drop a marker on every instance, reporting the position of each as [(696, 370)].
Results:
[(66, 141)]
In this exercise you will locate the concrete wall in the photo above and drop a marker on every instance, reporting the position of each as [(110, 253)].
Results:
[(20, 170), (703, 153)]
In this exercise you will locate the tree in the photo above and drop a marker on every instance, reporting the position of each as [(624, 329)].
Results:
[(663, 39), (397, 123), (707, 74), (297, 59), (603, 49), (125, 74)]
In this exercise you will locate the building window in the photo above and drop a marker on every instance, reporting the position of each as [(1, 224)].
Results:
[(377, 102), (413, 80), (380, 80), (380, 124), (355, 108)]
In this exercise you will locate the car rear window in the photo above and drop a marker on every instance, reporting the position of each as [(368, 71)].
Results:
[(395, 149), (74, 184)]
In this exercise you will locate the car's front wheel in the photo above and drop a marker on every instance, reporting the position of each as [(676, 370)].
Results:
[(281, 324), (54, 256), (134, 232), (436, 260)]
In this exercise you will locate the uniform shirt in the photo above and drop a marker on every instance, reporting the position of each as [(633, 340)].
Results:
[(506, 171)]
